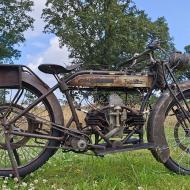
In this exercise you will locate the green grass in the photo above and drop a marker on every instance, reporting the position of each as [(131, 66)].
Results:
[(130, 170)]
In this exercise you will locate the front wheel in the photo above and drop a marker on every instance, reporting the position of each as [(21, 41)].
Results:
[(175, 130), (29, 153)]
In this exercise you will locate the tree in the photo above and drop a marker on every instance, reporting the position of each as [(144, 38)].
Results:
[(187, 49), (185, 74), (14, 20), (102, 33)]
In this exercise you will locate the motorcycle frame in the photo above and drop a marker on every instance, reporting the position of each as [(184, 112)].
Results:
[(62, 85), (64, 88)]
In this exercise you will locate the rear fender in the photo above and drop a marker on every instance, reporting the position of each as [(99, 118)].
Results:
[(33, 81)]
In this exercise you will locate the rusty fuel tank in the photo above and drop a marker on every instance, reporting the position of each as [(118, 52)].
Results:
[(109, 79)]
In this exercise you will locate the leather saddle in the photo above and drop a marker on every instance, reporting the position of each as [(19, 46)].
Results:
[(57, 69)]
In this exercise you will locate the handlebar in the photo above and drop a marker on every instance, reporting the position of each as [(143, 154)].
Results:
[(136, 57), (177, 60), (142, 56)]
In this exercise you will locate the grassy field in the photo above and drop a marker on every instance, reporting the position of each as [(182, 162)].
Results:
[(132, 170)]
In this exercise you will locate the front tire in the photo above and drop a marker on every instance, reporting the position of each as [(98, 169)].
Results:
[(172, 130)]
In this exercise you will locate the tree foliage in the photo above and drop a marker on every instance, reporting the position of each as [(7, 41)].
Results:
[(185, 74), (187, 49), (102, 33), (14, 20)]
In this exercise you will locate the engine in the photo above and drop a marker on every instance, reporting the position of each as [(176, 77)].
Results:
[(115, 119)]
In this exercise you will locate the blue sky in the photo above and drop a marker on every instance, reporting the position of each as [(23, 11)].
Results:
[(177, 14), (43, 48)]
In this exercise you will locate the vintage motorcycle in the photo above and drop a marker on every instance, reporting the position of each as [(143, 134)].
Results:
[(32, 125)]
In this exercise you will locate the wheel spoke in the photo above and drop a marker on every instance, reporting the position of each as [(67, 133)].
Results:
[(16, 152), (176, 125)]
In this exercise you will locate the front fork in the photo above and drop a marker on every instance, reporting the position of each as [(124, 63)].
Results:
[(176, 91)]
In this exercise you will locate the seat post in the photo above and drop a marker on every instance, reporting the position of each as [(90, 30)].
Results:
[(64, 89)]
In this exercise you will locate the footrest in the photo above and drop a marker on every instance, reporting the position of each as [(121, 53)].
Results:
[(125, 148)]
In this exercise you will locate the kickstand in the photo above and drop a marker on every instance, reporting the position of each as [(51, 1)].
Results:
[(11, 156)]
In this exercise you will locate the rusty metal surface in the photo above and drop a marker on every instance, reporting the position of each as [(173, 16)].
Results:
[(15, 76), (155, 126), (10, 76), (111, 80), (52, 100)]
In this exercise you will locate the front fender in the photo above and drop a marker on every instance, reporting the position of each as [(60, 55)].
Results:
[(155, 125)]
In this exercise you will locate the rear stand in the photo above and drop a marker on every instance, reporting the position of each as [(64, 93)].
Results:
[(11, 154)]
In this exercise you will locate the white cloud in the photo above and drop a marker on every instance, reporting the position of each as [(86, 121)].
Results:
[(36, 39), (38, 44), (39, 23), (54, 55)]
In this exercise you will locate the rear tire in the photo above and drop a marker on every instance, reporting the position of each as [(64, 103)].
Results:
[(28, 158)]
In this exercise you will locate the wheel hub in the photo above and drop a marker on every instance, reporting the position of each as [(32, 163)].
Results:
[(16, 142), (180, 140)]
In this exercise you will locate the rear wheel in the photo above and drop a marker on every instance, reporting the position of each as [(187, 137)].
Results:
[(29, 153)]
